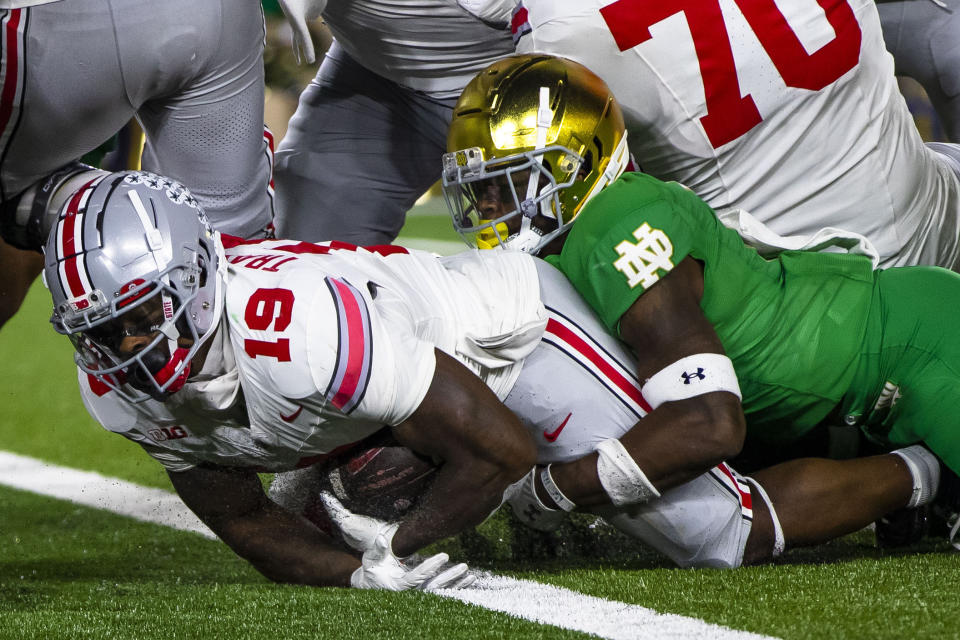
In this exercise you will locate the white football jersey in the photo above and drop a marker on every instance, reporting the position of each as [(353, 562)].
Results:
[(787, 109), (321, 345), (433, 46)]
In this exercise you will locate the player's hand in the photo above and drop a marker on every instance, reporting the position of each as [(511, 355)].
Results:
[(359, 531), (298, 12), (454, 576), (381, 569), (527, 506)]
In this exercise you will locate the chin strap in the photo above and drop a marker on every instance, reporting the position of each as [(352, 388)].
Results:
[(169, 371)]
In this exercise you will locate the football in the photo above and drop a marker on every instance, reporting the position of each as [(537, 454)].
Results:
[(378, 477), (382, 478)]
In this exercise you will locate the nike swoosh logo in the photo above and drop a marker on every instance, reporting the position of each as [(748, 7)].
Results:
[(552, 436), (292, 416)]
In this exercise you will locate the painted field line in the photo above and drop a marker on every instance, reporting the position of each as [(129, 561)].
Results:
[(545, 604), (100, 492), (568, 609)]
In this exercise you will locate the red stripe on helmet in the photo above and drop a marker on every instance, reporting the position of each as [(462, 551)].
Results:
[(70, 248)]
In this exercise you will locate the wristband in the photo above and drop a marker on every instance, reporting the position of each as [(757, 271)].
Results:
[(554, 492), (691, 376)]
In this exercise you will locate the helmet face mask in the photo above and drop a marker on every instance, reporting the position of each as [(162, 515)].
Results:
[(511, 202), (132, 256), (542, 134), (100, 347)]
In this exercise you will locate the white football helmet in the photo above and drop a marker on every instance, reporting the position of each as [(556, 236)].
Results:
[(131, 254)]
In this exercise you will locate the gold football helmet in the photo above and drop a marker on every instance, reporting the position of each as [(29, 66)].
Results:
[(533, 138)]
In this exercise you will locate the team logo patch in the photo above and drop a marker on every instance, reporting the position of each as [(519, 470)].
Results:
[(641, 262), (168, 433)]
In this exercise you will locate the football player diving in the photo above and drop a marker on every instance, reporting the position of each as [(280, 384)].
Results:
[(224, 357), (729, 344)]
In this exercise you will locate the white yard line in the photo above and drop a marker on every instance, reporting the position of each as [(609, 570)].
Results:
[(568, 609), (525, 599), (100, 492)]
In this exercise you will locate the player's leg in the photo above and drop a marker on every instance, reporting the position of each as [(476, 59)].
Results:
[(203, 110), (578, 389), (358, 153), (703, 523), (918, 362), (924, 39), (62, 96), (19, 268), (819, 499)]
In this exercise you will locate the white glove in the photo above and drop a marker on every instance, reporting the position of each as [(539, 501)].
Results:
[(380, 568), (298, 12), (360, 532), (527, 506)]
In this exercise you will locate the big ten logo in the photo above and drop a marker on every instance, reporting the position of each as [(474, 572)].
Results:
[(167, 433), (263, 263)]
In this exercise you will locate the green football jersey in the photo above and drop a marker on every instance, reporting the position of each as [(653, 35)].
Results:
[(793, 325)]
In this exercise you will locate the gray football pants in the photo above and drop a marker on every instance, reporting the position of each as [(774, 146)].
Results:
[(924, 39), (75, 71), (358, 152)]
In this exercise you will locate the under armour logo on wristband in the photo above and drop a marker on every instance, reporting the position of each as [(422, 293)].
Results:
[(698, 375)]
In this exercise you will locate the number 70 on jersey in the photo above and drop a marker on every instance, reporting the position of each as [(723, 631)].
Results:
[(730, 114)]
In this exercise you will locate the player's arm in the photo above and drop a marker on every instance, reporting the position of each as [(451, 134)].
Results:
[(679, 439), (282, 546), (483, 446)]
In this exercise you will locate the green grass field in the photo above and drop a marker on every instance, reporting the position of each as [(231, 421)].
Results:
[(74, 572)]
